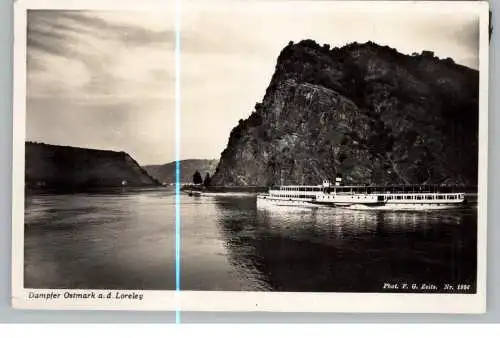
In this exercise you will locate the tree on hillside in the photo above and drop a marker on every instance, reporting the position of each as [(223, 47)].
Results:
[(206, 181), (197, 179)]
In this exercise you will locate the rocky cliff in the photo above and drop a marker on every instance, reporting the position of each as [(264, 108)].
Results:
[(69, 168), (364, 111), (165, 173)]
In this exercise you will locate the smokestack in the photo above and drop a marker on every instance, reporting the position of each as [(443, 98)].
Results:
[(338, 180)]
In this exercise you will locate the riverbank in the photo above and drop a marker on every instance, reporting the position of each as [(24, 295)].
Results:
[(92, 190), (224, 189)]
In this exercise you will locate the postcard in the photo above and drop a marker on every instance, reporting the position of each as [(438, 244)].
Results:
[(286, 156)]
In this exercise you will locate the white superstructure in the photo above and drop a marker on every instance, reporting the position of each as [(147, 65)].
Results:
[(406, 197)]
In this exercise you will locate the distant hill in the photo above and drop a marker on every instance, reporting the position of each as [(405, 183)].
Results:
[(165, 173), (61, 167)]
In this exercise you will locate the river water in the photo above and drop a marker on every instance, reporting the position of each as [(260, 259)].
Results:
[(126, 240)]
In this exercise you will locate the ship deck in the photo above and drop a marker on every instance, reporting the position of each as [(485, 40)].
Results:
[(387, 189)]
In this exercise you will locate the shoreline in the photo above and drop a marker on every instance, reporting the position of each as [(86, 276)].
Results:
[(225, 189)]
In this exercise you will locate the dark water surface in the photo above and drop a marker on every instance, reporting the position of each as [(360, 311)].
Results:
[(127, 241), (100, 241)]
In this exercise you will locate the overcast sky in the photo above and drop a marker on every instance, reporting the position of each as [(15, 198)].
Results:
[(106, 80), (102, 80)]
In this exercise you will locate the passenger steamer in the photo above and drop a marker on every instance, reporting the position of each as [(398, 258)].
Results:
[(407, 197)]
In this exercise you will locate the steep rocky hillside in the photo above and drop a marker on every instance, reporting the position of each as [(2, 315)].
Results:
[(364, 111)]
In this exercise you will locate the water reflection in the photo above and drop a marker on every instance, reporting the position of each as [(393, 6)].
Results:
[(127, 240), (345, 250)]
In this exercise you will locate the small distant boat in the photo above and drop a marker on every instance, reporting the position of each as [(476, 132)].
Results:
[(405, 197), (194, 193)]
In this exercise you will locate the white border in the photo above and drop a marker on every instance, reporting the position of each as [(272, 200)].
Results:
[(251, 330), (247, 301)]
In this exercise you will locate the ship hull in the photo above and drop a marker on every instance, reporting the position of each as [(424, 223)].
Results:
[(268, 201), (405, 206), (273, 201)]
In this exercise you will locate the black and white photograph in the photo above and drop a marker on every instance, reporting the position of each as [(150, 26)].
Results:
[(266, 155)]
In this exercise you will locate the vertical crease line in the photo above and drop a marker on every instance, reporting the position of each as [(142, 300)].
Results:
[(177, 158)]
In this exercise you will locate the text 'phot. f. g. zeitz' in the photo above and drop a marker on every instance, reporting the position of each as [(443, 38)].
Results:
[(305, 167)]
